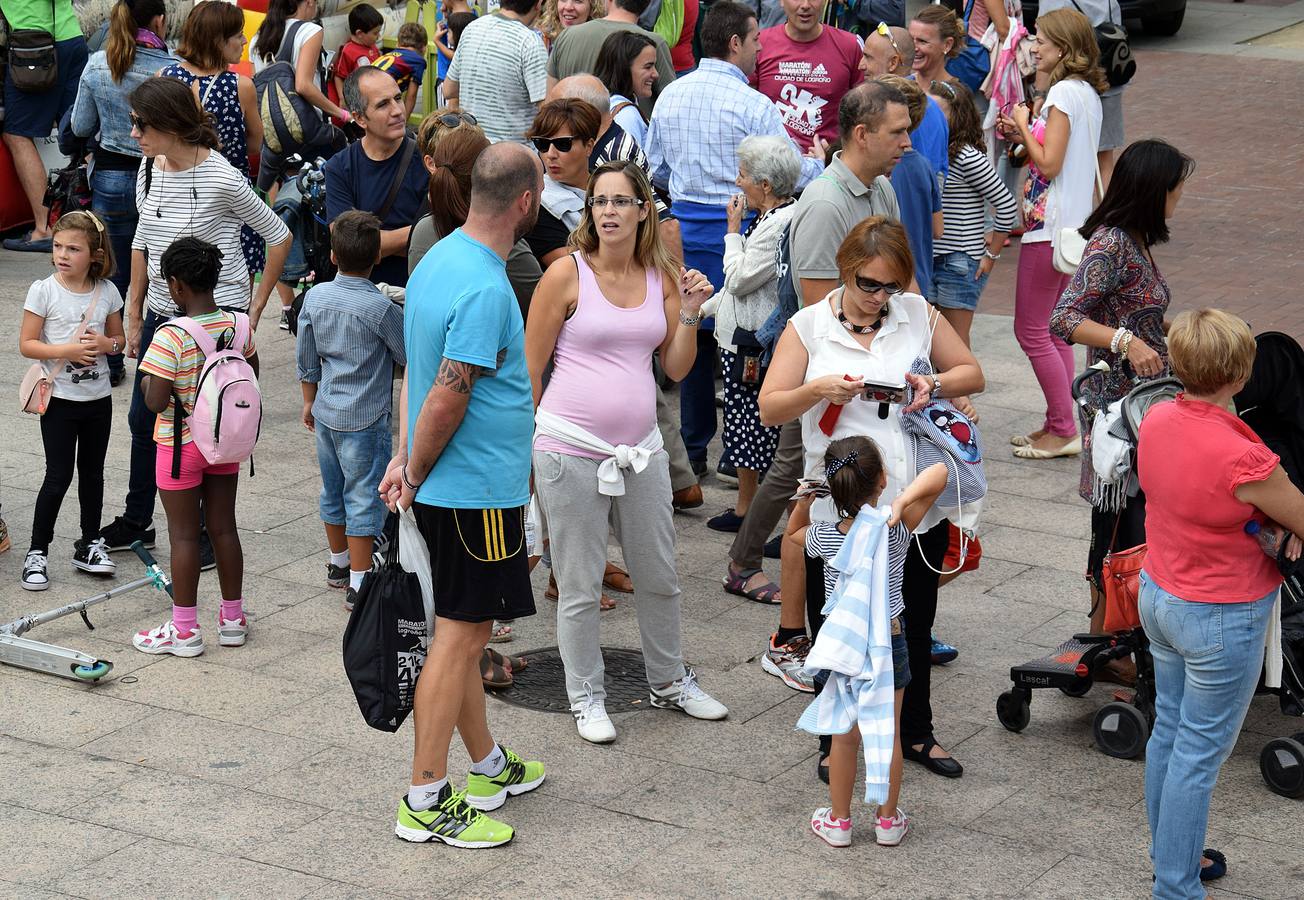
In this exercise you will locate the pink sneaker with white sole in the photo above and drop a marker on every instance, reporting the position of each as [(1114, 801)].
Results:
[(834, 832), (166, 639)]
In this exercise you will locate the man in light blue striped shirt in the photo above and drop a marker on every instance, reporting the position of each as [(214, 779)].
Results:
[(692, 144), (350, 338)]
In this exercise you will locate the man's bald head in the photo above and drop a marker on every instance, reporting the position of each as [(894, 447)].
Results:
[(588, 88), (905, 48), (504, 174), (887, 55)]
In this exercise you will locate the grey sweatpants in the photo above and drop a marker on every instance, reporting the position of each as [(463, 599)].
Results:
[(771, 498), (579, 520)]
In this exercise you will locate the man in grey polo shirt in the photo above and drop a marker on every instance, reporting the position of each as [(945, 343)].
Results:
[(874, 126)]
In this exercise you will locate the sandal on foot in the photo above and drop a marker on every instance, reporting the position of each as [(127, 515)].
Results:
[(551, 593), (512, 664), (501, 634), (1023, 440), (492, 672), (736, 583), (1217, 868), (617, 579), (1072, 448)]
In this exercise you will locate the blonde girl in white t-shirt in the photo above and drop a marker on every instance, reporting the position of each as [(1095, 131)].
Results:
[(1058, 194), (75, 426)]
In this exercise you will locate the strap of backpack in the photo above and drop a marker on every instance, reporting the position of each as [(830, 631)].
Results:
[(287, 43), (149, 173), (621, 107), (179, 415), (409, 148), (198, 333)]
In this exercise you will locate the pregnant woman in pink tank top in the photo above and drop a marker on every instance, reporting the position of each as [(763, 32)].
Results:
[(598, 315)]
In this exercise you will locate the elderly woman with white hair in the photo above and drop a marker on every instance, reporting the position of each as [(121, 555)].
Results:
[(768, 169)]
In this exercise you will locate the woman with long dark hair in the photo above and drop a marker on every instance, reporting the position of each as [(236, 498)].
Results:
[(1115, 306), (184, 188), (133, 52), (627, 65), (213, 39)]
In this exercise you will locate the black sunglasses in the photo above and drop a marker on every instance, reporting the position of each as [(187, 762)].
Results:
[(454, 119), (870, 286), (563, 144), (941, 87), (137, 122)]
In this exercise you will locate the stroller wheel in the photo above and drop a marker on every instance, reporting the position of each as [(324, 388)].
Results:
[(1013, 711), (1078, 687), (1121, 730), (1282, 765)]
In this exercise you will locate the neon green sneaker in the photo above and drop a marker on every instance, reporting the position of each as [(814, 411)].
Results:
[(452, 821), (518, 776)]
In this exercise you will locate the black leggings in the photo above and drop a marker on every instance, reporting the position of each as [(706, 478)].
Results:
[(919, 590), (72, 431)]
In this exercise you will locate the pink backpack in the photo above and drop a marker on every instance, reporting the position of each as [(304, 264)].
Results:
[(228, 411)]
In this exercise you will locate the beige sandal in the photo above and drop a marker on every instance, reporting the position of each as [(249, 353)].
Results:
[(1023, 440), (1072, 448)]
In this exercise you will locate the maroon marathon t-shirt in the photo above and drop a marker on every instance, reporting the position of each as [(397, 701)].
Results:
[(806, 81)]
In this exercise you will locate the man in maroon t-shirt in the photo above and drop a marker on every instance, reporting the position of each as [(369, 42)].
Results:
[(805, 67)]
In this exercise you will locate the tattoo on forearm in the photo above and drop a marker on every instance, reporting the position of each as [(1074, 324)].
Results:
[(458, 377)]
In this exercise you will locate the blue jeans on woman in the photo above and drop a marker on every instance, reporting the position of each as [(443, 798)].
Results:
[(113, 199), (1207, 660)]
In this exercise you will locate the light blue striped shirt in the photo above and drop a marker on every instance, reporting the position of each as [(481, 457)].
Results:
[(350, 338), (697, 125)]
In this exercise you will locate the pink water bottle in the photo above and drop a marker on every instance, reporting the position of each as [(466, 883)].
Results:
[(1270, 536)]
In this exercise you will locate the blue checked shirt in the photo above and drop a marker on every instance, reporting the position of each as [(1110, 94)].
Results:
[(350, 338), (697, 125)]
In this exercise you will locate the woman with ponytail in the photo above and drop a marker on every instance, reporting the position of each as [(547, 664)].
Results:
[(938, 34), (183, 188), (133, 51)]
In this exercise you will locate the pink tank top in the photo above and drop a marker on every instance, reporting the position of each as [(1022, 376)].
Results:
[(602, 366)]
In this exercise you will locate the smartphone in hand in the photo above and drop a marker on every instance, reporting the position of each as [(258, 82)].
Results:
[(881, 392)]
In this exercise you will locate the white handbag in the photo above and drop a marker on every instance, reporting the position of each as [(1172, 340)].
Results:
[(1069, 244)]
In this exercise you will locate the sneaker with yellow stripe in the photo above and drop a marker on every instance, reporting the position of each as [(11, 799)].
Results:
[(453, 821), (488, 792)]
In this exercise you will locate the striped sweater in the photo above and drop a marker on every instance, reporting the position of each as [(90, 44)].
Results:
[(970, 186)]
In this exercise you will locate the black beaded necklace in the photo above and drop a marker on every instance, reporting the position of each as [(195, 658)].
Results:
[(862, 329)]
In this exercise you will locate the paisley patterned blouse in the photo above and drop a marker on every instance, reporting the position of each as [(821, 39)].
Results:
[(1116, 284)]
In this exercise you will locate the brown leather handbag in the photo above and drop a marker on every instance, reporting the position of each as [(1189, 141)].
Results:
[(1121, 574)]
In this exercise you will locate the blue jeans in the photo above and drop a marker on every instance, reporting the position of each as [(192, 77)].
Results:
[(113, 199), (1207, 660), (702, 228), (352, 464), (956, 284)]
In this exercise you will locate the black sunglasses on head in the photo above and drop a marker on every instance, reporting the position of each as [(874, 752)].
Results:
[(455, 119), (563, 144)]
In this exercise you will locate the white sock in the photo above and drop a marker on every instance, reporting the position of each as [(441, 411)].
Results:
[(491, 765), (340, 559), (355, 578), (423, 796)]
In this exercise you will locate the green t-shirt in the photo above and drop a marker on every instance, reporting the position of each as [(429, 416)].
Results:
[(22, 14)]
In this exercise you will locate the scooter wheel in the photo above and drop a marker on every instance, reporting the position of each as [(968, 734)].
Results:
[(92, 673), (1013, 711), (1121, 730), (1282, 766)]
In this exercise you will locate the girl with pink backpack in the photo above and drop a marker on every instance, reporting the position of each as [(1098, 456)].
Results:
[(201, 379)]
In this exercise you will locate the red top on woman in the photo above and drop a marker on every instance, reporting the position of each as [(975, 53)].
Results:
[(1191, 458)]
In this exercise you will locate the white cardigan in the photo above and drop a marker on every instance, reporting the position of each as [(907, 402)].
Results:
[(751, 282)]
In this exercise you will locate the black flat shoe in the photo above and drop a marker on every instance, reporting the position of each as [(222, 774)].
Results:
[(822, 769), (1215, 871), (947, 767)]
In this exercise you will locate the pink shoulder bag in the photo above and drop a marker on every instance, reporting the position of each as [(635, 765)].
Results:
[(38, 383)]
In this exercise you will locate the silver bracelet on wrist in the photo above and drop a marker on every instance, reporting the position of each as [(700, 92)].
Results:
[(1117, 339), (691, 321), (990, 255), (937, 387)]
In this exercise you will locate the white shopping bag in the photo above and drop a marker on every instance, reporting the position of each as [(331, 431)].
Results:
[(414, 557)]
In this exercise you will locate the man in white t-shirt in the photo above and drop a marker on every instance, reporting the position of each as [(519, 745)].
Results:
[(500, 71)]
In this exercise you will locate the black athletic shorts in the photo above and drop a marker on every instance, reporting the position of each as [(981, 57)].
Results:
[(478, 562)]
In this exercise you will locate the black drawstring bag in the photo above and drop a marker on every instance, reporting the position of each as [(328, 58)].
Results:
[(385, 640)]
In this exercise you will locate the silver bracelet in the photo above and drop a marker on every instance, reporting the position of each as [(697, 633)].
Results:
[(1117, 339), (691, 321), (990, 255), (937, 387)]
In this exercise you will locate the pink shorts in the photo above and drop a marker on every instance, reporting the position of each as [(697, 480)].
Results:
[(193, 468)]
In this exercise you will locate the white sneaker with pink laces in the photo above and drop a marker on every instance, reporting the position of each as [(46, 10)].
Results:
[(232, 632), (835, 832), (166, 639)]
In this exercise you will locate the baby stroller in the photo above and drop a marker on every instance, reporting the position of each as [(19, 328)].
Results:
[(1121, 728), (1272, 403)]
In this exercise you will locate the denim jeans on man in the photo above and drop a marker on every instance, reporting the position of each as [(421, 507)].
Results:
[(113, 199), (1207, 660)]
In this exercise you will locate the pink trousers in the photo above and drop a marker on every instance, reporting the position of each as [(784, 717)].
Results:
[(1036, 293)]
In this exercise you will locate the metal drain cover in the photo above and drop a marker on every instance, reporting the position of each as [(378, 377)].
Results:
[(542, 684)]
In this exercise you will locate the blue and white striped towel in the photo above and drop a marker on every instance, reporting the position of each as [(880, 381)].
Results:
[(855, 646)]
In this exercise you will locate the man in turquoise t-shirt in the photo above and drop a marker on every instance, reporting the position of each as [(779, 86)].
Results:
[(469, 417), (31, 116)]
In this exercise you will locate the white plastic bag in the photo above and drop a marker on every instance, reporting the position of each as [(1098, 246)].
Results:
[(414, 557)]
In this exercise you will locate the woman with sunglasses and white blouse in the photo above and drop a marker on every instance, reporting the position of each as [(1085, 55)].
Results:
[(597, 317)]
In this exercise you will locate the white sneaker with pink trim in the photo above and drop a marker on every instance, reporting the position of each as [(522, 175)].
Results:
[(232, 632), (890, 832), (166, 639), (835, 832)]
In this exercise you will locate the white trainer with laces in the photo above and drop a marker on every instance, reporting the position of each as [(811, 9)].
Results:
[(891, 832), (232, 632), (592, 720), (166, 639), (686, 695), (834, 832)]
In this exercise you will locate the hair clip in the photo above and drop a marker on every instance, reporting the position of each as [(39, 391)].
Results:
[(832, 468)]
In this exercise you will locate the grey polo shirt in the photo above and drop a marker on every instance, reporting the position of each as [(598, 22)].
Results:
[(830, 206)]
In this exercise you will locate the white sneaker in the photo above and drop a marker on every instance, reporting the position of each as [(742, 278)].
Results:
[(834, 832), (685, 694), (35, 574), (891, 832), (166, 639), (232, 632), (93, 557), (592, 720)]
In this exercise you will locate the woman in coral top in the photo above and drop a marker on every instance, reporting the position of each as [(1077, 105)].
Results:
[(1208, 593)]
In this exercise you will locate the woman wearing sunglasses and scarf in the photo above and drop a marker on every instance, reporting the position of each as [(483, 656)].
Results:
[(564, 133), (871, 330)]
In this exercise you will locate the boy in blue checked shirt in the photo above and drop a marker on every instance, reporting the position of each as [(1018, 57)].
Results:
[(350, 340)]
